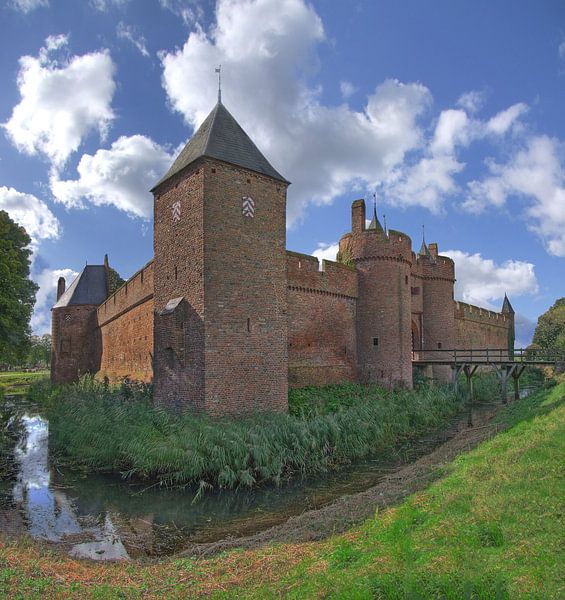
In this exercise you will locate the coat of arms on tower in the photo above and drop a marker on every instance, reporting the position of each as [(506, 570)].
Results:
[(176, 210), (248, 206)]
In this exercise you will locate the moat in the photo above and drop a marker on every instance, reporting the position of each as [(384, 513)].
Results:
[(105, 517)]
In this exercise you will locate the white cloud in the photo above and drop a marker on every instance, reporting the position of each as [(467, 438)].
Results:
[(505, 119), (61, 102), (105, 5), (46, 297), (27, 6), (127, 32), (267, 49), (189, 11), (481, 281), (347, 89), (326, 251), (121, 176), (432, 179), (534, 173), (31, 213), (472, 101), (525, 329)]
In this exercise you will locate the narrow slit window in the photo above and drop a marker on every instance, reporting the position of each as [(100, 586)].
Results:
[(248, 325), (176, 272), (375, 341), (439, 345)]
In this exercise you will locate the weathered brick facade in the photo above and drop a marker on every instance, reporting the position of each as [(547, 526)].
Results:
[(224, 319)]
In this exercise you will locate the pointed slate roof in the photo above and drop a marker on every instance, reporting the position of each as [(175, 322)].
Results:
[(90, 287), (506, 306), (375, 223), (220, 136)]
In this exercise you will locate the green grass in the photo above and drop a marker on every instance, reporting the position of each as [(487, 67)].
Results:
[(111, 430), (17, 382), (492, 528)]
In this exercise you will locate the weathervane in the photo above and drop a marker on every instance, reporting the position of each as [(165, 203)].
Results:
[(219, 72)]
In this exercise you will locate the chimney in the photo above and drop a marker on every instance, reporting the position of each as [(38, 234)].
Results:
[(61, 284), (358, 216), (433, 250)]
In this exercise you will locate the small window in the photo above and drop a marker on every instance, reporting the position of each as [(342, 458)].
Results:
[(415, 291), (248, 325), (213, 170), (375, 341), (439, 345), (406, 279)]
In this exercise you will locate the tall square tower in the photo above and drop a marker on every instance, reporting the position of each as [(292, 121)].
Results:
[(220, 332)]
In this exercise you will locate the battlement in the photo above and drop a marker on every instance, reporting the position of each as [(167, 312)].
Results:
[(136, 290), (430, 267), (480, 315), (304, 274)]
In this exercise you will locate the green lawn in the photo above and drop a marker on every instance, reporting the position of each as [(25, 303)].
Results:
[(17, 382), (493, 528)]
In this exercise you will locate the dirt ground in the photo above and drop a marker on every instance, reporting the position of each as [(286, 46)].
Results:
[(350, 510)]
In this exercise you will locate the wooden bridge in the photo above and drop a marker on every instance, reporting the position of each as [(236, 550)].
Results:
[(508, 364)]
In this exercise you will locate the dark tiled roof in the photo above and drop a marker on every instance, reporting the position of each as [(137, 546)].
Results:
[(506, 306), (90, 287), (221, 137), (424, 250), (375, 223)]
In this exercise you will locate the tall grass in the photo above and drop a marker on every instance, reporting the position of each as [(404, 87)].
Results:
[(115, 430)]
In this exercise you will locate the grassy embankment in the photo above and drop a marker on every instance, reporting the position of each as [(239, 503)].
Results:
[(18, 382), (491, 528), (119, 430)]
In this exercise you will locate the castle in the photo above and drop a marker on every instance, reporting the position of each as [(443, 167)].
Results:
[(224, 319)]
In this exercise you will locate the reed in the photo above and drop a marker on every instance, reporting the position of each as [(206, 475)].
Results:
[(119, 429)]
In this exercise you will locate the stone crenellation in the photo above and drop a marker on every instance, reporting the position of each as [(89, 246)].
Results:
[(224, 319)]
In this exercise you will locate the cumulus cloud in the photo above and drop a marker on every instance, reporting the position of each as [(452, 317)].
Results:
[(31, 213), (505, 119), (535, 174), (267, 51), (120, 176), (61, 101), (483, 282), (326, 251), (47, 279), (127, 32), (27, 6)]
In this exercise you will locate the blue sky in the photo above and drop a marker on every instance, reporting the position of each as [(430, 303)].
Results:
[(451, 111)]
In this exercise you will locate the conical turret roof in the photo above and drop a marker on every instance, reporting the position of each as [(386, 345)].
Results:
[(221, 137), (375, 223), (506, 306)]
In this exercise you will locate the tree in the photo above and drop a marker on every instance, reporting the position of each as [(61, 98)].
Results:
[(550, 330), (114, 280), (17, 291), (40, 351)]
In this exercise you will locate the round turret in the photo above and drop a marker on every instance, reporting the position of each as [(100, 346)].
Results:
[(383, 262)]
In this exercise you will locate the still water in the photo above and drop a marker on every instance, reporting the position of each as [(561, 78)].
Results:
[(105, 517)]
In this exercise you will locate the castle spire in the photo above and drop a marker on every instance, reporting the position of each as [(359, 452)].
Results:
[(219, 72), (506, 306), (424, 250), (374, 224)]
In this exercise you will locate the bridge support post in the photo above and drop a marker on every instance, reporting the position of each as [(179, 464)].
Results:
[(516, 377), (455, 372)]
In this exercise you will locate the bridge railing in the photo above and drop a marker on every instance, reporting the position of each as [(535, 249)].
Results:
[(490, 355)]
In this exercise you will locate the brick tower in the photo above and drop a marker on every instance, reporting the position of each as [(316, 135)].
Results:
[(384, 335), (438, 277), (220, 332)]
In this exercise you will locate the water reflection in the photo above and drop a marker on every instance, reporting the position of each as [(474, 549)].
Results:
[(104, 517)]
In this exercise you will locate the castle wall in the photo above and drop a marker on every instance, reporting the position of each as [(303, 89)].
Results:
[(126, 329), (321, 321), (179, 280), (246, 360), (76, 345), (477, 327)]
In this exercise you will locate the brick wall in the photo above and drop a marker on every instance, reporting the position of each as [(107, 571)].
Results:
[(477, 327), (321, 321), (126, 328), (179, 273), (76, 346), (245, 292)]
